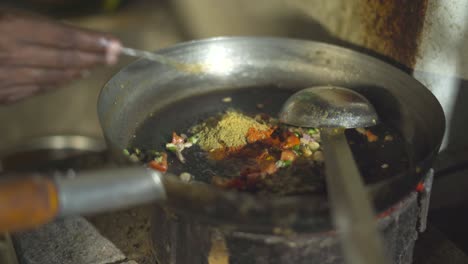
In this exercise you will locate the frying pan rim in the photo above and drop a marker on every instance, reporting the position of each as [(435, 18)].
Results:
[(180, 46)]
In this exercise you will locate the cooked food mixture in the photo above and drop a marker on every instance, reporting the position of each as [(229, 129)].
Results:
[(231, 130), (248, 153)]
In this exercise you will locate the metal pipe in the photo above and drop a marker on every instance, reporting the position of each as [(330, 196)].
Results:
[(108, 189)]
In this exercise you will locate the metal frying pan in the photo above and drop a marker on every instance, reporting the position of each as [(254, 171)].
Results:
[(253, 70), (249, 70)]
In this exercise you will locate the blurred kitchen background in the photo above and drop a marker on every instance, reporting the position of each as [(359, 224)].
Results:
[(426, 38)]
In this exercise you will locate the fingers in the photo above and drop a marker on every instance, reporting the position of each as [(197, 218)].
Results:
[(72, 38), (22, 76), (51, 33), (17, 93), (47, 33), (39, 56), (19, 83)]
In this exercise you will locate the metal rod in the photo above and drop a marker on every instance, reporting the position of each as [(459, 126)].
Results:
[(147, 55), (108, 189), (352, 209)]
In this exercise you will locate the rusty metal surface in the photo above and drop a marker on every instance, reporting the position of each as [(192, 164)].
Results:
[(393, 28), (179, 239), (129, 231), (442, 65)]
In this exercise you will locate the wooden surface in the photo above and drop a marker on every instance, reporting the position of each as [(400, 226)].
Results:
[(26, 203)]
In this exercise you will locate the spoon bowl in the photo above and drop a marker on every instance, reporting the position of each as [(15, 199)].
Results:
[(328, 107), (334, 109)]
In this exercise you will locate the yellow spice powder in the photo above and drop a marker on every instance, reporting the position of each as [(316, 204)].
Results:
[(229, 131)]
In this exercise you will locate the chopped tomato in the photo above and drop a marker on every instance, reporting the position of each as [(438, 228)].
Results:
[(176, 139), (288, 155), (159, 165), (269, 167), (274, 142), (291, 141), (420, 187), (254, 134)]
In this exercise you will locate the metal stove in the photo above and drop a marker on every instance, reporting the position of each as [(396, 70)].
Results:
[(180, 239), (137, 236)]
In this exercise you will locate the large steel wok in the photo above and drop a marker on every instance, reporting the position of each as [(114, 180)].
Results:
[(146, 101)]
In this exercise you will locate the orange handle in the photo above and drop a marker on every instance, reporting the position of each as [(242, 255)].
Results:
[(27, 203)]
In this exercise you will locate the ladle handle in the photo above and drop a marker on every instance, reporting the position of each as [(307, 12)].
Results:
[(351, 207), (29, 202), (109, 189)]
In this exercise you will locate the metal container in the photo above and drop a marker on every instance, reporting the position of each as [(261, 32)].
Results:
[(183, 239), (199, 220)]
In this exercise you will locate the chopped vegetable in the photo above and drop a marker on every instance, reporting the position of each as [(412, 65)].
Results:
[(134, 158), (291, 141), (178, 144), (171, 146), (267, 145), (227, 99), (283, 163), (318, 156), (260, 155), (306, 139), (306, 151), (160, 164), (388, 138), (288, 155), (254, 135), (297, 150), (268, 167), (126, 152), (420, 187), (314, 145), (193, 139), (316, 136), (185, 177), (371, 137), (177, 139)]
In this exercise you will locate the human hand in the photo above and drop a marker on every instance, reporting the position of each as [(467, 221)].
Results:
[(38, 54)]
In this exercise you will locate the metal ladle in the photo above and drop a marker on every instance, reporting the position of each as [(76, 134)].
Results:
[(334, 109)]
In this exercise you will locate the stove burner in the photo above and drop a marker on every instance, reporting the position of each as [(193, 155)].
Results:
[(182, 240)]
